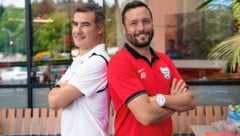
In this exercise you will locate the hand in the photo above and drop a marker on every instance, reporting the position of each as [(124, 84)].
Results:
[(177, 87)]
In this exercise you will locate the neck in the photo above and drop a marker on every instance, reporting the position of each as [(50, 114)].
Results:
[(83, 51), (143, 51)]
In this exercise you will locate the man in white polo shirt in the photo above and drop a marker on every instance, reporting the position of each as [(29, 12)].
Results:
[(82, 91)]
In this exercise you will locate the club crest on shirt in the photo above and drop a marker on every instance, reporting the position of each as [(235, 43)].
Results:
[(166, 72)]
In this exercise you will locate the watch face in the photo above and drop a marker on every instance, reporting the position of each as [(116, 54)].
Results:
[(160, 100)]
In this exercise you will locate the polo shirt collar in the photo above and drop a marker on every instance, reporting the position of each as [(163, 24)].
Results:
[(97, 49), (138, 56)]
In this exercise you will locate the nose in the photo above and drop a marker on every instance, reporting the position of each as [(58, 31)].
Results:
[(140, 26), (77, 29)]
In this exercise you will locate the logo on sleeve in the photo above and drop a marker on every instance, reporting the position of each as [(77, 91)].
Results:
[(166, 72)]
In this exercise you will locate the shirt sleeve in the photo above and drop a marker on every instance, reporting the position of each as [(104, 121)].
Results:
[(123, 80), (90, 77)]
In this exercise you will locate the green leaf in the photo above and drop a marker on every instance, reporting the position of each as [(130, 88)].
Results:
[(204, 4), (228, 49)]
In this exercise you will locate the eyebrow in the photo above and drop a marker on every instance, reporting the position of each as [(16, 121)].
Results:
[(82, 23)]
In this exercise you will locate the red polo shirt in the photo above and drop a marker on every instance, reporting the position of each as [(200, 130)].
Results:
[(130, 75)]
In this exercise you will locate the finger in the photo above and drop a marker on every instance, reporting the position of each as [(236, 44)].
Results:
[(173, 90), (179, 85), (173, 84), (182, 88)]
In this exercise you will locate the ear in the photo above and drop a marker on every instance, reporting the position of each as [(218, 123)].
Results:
[(100, 29), (124, 29)]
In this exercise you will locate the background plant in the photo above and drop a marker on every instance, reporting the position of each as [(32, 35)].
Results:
[(229, 48)]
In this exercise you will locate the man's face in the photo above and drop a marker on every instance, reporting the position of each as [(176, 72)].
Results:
[(86, 34), (138, 27)]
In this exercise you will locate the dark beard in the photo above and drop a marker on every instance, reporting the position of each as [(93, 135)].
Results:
[(131, 39)]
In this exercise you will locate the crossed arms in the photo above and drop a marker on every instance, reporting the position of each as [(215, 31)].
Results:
[(147, 111)]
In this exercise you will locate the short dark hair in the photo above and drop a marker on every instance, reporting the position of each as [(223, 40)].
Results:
[(98, 10), (132, 5)]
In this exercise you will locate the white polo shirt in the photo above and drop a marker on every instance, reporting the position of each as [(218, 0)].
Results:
[(88, 114)]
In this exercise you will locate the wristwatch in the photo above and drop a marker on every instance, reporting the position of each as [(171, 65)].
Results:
[(55, 86), (161, 100)]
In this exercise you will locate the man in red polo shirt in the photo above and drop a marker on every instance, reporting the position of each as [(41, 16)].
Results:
[(145, 86)]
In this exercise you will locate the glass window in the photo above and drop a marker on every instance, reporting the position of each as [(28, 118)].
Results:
[(187, 35), (13, 43), (13, 98), (52, 42)]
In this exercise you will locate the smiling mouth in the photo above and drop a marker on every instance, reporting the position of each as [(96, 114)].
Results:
[(142, 34), (142, 37), (79, 38)]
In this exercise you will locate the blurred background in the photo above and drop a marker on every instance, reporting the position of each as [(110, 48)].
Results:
[(36, 46)]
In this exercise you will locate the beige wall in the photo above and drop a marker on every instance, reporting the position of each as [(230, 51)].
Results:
[(165, 21)]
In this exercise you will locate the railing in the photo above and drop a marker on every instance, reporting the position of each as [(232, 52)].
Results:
[(44, 121)]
